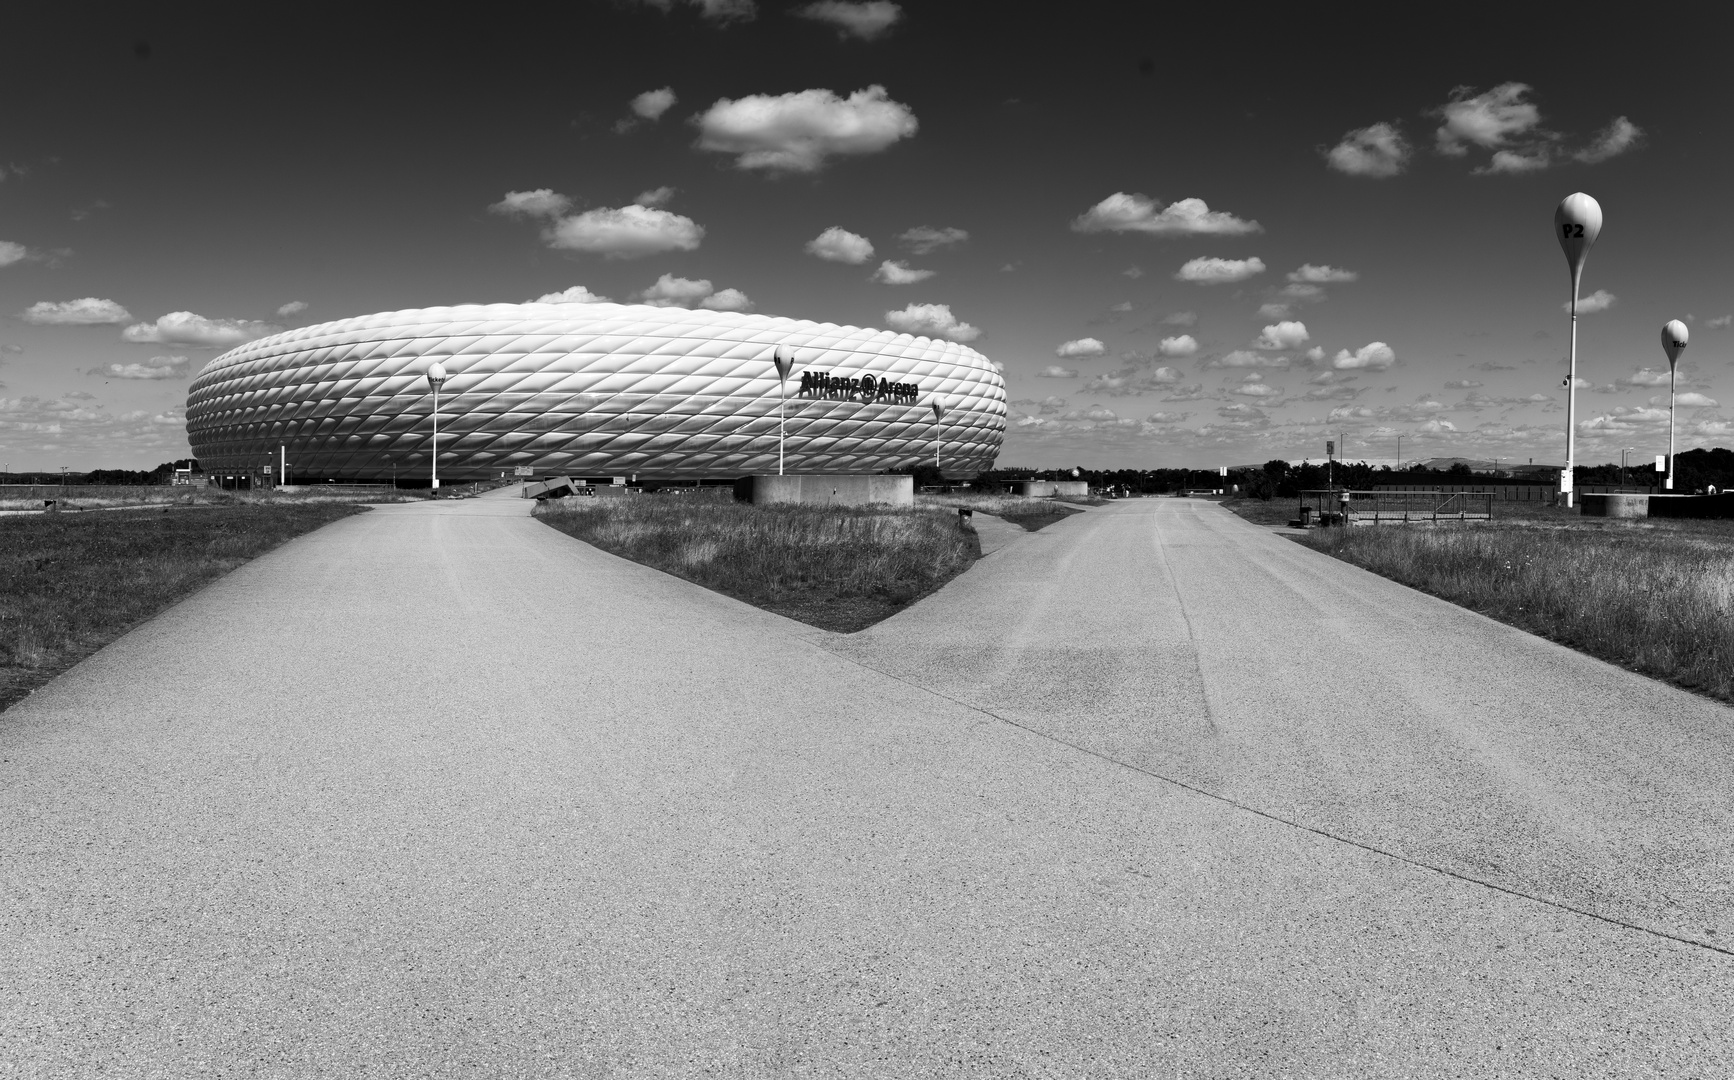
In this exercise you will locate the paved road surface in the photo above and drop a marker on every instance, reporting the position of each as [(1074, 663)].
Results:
[(438, 791)]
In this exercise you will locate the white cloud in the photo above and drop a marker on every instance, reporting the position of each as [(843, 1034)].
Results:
[(1646, 377), (1258, 390), (293, 307), (923, 239), (1240, 358), (717, 11), (671, 291), (1213, 271), (1133, 272), (1088, 346), (577, 294), (1436, 426), (1055, 371), (626, 233), (185, 328), (158, 367), (1274, 310), (651, 104), (654, 196), (1376, 356), (838, 244), (1600, 300), (727, 300), (1378, 151), (542, 202), (797, 132), (1619, 136), (867, 20), (1533, 159), (1489, 120), (1316, 354), (1184, 345), (933, 320), (1720, 322), (1282, 335), (1462, 384), (1121, 212), (86, 312), (11, 253), (1689, 400), (899, 273), (1322, 275)]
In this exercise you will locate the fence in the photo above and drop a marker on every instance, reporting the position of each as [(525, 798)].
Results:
[(1386, 506)]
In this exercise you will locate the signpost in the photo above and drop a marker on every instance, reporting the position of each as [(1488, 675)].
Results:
[(1673, 343), (436, 375), (1577, 221), (1331, 463), (784, 365)]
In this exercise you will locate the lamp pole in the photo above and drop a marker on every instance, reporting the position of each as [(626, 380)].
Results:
[(938, 415), (1577, 221), (436, 375), (784, 365), (1399, 453), (1623, 454), (1674, 338)]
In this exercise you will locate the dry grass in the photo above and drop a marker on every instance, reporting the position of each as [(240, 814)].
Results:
[(71, 583), (839, 569), (1654, 597), (1032, 514), (16, 497)]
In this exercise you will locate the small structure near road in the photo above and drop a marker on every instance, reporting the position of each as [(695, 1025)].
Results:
[(1339, 506), (827, 489)]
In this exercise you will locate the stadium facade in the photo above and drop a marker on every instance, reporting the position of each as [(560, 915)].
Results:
[(592, 390)]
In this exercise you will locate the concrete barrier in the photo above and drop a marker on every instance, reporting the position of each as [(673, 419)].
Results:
[(827, 489), (1614, 505), (1049, 489)]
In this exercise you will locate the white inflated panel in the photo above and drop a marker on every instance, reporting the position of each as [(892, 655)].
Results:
[(586, 389)]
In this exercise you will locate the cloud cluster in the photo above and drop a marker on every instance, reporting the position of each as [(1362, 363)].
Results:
[(721, 12), (157, 367), (88, 311), (868, 20), (1321, 275), (924, 239), (1183, 345), (838, 244), (12, 253), (1600, 300), (1375, 356), (1378, 151), (186, 328), (1122, 212), (933, 320), (1081, 347), (1505, 122), (671, 291), (651, 104), (628, 232), (899, 273), (1241, 358), (577, 294), (656, 196), (1213, 271), (799, 131), (1282, 335), (293, 307), (540, 202), (1055, 371)]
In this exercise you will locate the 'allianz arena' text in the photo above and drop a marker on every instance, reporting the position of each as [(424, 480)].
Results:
[(591, 390)]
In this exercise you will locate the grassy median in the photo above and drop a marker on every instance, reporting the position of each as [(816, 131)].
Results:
[(834, 568), (1655, 597), (72, 582)]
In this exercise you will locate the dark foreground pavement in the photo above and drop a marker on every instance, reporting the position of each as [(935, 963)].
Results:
[(438, 791)]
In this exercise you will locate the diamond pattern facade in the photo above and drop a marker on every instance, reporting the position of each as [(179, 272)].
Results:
[(590, 390)]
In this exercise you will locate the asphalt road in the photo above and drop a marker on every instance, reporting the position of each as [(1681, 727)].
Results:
[(437, 791)]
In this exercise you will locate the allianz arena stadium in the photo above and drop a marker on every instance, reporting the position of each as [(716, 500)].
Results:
[(592, 390)]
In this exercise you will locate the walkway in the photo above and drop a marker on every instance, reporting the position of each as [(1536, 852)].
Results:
[(438, 791)]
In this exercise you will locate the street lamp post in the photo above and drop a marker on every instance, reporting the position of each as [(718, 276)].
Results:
[(784, 366), (1673, 343), (1399, 453), (1623, 454), (436, 376), (1577, 221)]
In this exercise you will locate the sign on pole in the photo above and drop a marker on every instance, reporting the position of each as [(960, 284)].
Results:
[(1330, 447), (1661, 463)]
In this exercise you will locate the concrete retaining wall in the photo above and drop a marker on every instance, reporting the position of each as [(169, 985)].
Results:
[(1615, 506), (827, 489), (1048, 489)]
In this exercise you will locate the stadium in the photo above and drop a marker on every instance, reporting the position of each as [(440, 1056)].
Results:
[(592, 390)]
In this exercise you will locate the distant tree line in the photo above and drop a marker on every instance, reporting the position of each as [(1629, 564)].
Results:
[(162, 474)]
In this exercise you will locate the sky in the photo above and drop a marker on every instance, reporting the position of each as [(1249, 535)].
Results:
[(1190, 236)]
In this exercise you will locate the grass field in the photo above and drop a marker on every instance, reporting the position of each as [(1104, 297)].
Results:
[(95, 497), (71, 583), (838, 569), (1032, 514), (1655, 597)]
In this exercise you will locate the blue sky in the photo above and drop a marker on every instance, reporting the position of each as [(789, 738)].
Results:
[(1189, 238)]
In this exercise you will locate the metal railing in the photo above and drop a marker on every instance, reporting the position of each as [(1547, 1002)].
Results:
[(1343, 507)]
